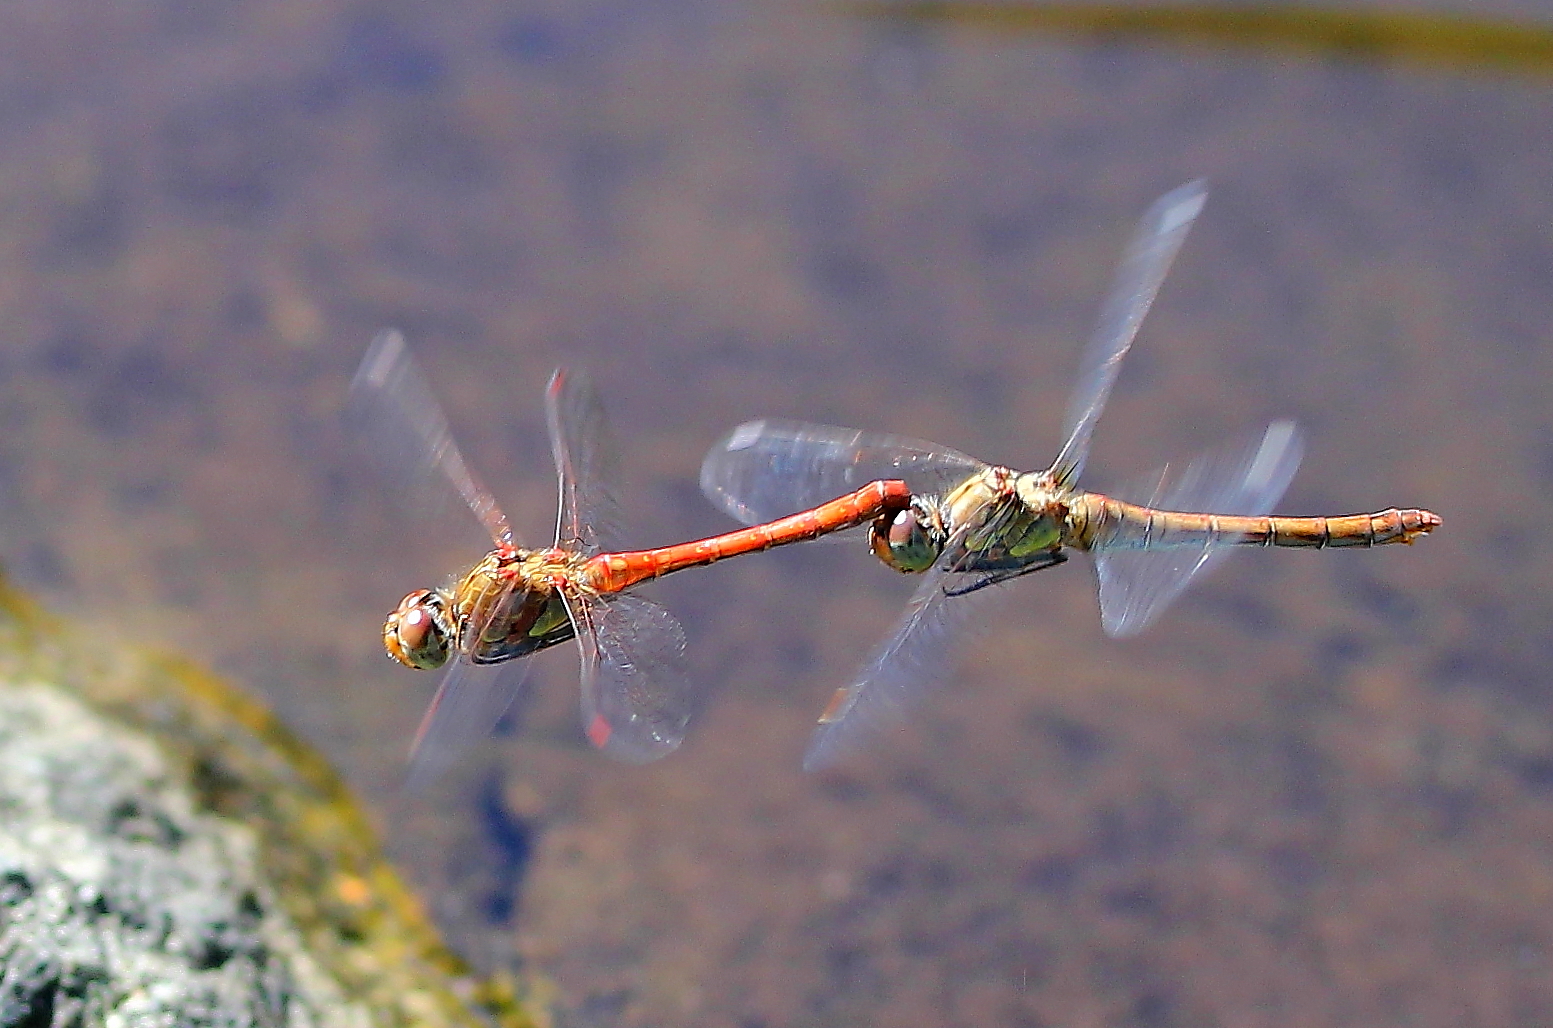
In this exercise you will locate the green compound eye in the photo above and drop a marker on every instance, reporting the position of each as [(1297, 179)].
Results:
[(416, 633), (903, 543)]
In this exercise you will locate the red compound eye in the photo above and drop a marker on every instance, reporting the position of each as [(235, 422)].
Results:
[(414, 633)]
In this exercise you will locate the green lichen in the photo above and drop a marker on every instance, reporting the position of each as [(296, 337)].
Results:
[(360, 922)]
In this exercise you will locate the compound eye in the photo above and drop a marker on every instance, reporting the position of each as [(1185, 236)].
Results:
[(416, 634), (903, 543)]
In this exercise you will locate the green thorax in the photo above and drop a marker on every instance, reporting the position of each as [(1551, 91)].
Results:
[(1008, 519)]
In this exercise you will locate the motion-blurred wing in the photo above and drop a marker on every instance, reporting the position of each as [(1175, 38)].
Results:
[(636, 696), (470, 700), (1247, 477), (940, 617), (580, 441), (764, 470), (1160, 235), (394, 412)]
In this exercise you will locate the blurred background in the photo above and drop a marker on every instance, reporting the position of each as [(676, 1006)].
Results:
[(1318, 792)]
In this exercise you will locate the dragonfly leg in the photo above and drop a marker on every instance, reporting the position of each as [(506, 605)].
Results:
[(1049, 559)]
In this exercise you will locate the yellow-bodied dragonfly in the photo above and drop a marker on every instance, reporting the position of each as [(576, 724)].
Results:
[(972, 525)]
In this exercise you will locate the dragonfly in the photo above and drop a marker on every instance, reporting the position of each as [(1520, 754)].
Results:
[(515, 601), (972, 525)]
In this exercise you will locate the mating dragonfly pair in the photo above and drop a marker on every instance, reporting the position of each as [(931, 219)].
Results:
[(964, 525)]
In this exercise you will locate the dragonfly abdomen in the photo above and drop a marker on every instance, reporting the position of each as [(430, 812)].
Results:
[(1102, 522), (1388, 526), (612, 572)]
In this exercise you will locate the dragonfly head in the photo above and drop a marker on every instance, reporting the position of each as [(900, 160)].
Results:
[(419, 632), (909, 540)]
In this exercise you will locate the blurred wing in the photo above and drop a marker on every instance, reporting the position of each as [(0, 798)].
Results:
[(470, 700), (580, 442), (1247, 477), (1159, 236), (909, 664), (394, 412), (764, 470), (636, 695)]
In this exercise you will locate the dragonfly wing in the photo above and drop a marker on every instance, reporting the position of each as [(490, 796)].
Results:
[(767, 469), (471, 697), (585, 461), (1159, 236), (469, 701), (636, 695), (395, 413), (906, 666), (1245, 477)]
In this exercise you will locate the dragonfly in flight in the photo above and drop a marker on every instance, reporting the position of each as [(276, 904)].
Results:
[(636, 700), (972, 525)]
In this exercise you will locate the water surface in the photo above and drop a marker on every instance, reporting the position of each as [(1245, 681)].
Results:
[(1318, 792)]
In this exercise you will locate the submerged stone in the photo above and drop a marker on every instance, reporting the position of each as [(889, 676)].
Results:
[(170, 855)]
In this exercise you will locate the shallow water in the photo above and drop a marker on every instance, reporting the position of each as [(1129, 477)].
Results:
[(1319, 791)]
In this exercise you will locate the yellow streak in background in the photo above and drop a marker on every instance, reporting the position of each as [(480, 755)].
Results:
[(1374, 35)]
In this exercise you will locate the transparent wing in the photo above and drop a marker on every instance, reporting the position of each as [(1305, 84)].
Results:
[(394, 412), (636, 694), (1246, 477), (909, 664), (470, 700), (764, 470), (471, 697), (584, 452), (1160, 234)]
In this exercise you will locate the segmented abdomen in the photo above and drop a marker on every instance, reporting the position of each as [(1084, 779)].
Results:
[(1098, 520), (612, 572)]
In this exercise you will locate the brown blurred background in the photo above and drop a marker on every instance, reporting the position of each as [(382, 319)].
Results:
[(1319, 792)]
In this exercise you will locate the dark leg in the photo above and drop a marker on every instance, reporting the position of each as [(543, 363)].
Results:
[(1048, 560)]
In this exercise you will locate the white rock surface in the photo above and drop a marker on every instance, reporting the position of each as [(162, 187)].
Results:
[(123, 905)]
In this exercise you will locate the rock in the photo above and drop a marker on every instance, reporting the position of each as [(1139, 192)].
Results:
[(169, 855)]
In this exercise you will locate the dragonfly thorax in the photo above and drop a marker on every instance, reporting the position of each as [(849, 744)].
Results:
[(1046, 506), (511, 603), (547, 570), (419, 631), (1006, 520)]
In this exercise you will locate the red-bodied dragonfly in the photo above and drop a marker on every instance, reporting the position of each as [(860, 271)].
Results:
[(972, 525), (636, 700)]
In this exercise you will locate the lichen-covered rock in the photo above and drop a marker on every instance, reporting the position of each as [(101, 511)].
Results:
[(170, 856), (123, 903)]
